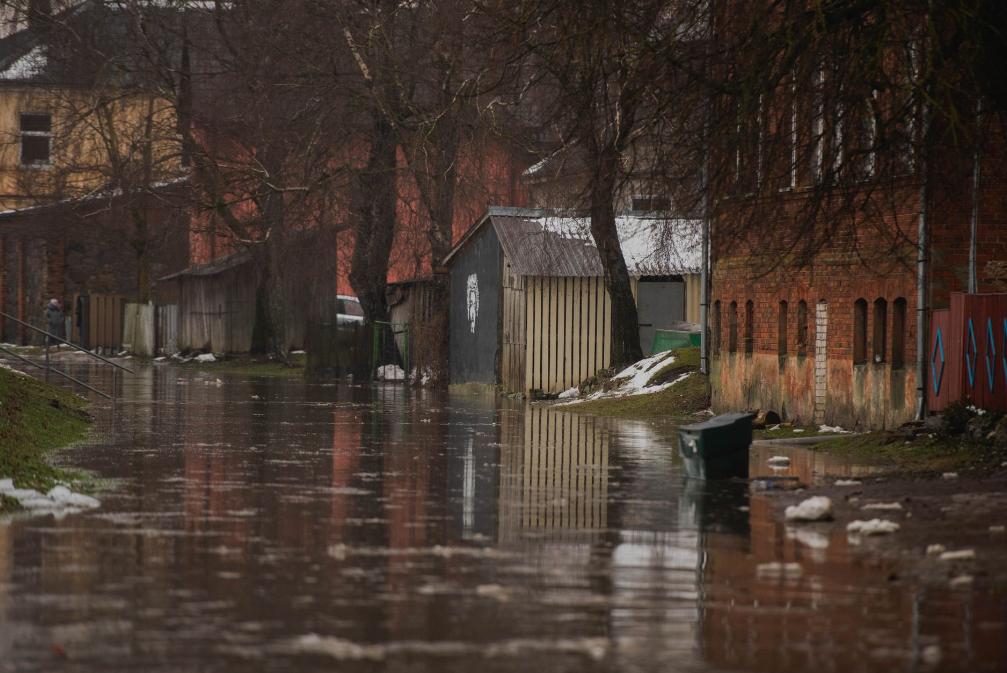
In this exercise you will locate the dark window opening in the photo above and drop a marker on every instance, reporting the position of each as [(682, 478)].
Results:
[(732, 328), (36, 139), (860, 332), (749, 327), (802, 327), (880, 330), (716, 327), (781, 330), (899, 334)]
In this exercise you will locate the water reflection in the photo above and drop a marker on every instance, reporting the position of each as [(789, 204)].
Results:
[(307, 525)]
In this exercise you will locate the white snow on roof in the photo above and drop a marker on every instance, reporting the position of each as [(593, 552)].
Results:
[(650, 245), (28, 66)]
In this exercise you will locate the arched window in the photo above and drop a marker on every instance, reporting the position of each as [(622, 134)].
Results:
[(879, 342), (899, 333), (860, 331), (732, 327), (716, 327), (781, 330), (749, 327), (802, 327)]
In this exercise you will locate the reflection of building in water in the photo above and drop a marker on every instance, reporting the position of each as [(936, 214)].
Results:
[(794, 600), (553, 475), (807, 465), (472, 453)]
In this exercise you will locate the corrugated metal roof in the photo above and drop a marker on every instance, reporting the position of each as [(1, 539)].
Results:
[(540, 243)]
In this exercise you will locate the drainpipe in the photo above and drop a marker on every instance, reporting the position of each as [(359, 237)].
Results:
[(704, 276), (974, 224), (922, 254)]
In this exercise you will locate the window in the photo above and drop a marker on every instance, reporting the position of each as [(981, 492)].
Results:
[(650, 204), (880, 329), (899, 334), (749, 325), (781, 330), (732, 328), (802, 327), (860, 332), (716, 327), (36, 139)]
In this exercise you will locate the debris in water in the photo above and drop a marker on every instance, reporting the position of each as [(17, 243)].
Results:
[(935, 549), (817, 508), (779, 460), (949, 475), (886, 506), (962, 581), (959, 555), (997, 529), (872, 527), (847, 482), (931, 655), (776, 570)]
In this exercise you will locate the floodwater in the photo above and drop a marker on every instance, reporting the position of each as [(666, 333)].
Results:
[(266, 525)]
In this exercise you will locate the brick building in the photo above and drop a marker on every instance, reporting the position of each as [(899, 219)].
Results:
[(827, 333)]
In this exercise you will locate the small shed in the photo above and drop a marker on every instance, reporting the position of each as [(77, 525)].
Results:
[(528, 304), (216, 304)]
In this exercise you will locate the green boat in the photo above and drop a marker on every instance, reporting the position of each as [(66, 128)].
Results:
[(717, 448)]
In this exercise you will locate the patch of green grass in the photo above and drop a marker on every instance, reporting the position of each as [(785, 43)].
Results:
[(247, 366), (684, 399), (35, 418), (919, 455)]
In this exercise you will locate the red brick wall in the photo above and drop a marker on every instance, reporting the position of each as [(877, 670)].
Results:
[(868, 267)]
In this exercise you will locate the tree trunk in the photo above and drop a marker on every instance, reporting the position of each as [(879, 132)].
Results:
[(625, 321), (374, 232)]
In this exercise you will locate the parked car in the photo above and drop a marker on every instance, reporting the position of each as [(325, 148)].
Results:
[(349, 311)]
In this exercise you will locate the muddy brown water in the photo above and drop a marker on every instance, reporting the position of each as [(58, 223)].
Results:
[(266, 525)]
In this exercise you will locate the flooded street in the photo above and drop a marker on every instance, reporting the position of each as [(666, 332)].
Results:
[(263, 524)]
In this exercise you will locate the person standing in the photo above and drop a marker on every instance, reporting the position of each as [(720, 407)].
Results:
[(54, 320)]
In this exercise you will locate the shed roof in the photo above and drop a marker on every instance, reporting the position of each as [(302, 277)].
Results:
[(549, 243), (219, 265)]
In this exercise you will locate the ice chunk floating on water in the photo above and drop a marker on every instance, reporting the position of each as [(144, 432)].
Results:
[(58, 499), (817, 508), (780, 461), (872, 527)]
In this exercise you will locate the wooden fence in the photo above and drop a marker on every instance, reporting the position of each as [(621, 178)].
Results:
[(167, 329)]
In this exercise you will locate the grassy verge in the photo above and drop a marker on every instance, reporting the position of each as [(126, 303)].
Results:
[(787, 432), (34, 419), (681, 400), (917, 455)]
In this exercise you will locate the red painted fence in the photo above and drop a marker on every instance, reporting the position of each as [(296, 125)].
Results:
[(967, 358)]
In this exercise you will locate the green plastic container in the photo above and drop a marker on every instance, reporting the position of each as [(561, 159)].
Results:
[(666, 340), (717, 448)]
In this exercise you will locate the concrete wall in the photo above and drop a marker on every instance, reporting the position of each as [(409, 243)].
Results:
[(476, 311)]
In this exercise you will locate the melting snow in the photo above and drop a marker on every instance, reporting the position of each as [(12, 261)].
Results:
[(833, 428), (889, 506), (568, 393), (779, 461), (817, 508), (872, 527), (935, 549), (960, 555), (348, 650), (390, 373), (848, 482), (59, 499), (777, 570), (205, 357)]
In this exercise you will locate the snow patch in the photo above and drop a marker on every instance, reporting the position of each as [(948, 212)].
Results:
[(962, 581), (59, 499), (817, 508), (847, 482), (959, 555), (206, 357), (872, 527), (341, 649), (833, 429), (949, 475), (779, 461), (885, 506), (935, 549), (568, 394), (390, 373)]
